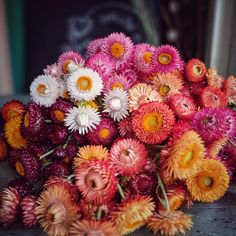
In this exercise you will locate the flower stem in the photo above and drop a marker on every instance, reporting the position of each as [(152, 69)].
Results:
[(120, 191), (65, 145), (160, 184), (70, 177), (232, 143), (47, 154), (99, 213)]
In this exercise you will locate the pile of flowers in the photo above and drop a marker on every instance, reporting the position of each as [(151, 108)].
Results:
[(120, 139)]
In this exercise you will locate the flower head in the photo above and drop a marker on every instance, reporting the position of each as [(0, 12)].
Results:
[(195, 70), (96, 180), (212, 123), (28, 205), (119, 48), (167, 59), (104, 133), (116, 104), (210, 182), (94, 46), (102, 64), (44, 90), (59, 109), (213, 97), (186, 155), (117, 81), (153, 122), (128, 156), (9, 199), (125, 129), (56, 211), (142, 93), (84, 84), (92, 227), (13, 134), (167, 84), (183, 106), (170, 223), (143, 58), (63, 93), (53, 70), (132, 213), (213, 79), (82, 119), (33, 120), (12, 109), (70, 61), (90, 152)]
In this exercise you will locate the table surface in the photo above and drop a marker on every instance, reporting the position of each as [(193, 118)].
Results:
[(215, 219)]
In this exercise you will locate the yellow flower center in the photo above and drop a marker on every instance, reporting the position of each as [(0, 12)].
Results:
[(84, 83), (117, 85), (197, 69), (207, 181), (152, 122), (60, 116), (187, 157), (20, 168), (117, 50), (26, 120), (41, 89), (65, 66), (165, 58), (147, 57), (104, 133), (164, 90)]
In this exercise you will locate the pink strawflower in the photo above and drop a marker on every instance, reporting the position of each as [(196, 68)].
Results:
[(52, 70), (102, 64), (125, 129), (214, 123), (183, 106), (214, 79), (117, 81), (104, 133), (94, 46), (119, 48), (180, 128), (143, 58), (213, 97), (97, 181), (167, 59), (69, 61), (28, 205), (128, 156), (130, 75)]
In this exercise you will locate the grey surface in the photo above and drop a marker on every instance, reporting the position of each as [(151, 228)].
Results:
[(216, 219)]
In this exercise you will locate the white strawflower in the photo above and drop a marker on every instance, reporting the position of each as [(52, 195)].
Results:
[(84, 84), (116, 104), (44, 90), (82, 119)]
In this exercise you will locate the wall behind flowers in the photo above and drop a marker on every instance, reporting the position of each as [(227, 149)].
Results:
[(40, 30)]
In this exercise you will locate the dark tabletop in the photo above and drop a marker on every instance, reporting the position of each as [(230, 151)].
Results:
[(216, 219)]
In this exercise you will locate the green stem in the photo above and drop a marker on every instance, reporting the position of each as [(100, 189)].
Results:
[(48, 121), (99, 213), (120, 191), (65, 145), (47, 154), (160, 184)]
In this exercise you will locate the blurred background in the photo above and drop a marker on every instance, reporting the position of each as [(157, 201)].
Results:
[(34, 33)]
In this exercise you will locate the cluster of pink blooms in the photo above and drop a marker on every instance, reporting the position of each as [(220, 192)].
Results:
[(118, 140)]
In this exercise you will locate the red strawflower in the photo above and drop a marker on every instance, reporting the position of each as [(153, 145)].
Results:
[(96, 180), (195, 70), (22, 187)]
